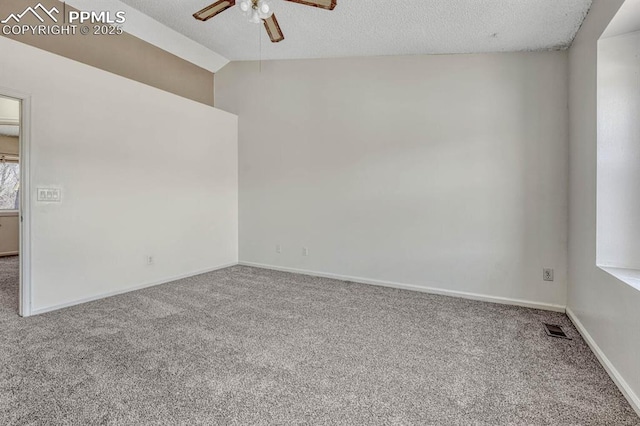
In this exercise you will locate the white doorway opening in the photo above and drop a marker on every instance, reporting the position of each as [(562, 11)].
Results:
[(15, 111)]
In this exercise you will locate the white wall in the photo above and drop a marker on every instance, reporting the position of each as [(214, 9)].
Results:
[(435, 171), (606, 307), (128, 189), (618, 213)]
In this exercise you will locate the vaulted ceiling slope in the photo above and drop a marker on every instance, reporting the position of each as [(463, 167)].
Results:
[(376, 27)]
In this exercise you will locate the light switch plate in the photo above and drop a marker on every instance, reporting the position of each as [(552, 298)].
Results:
[(49, 195)]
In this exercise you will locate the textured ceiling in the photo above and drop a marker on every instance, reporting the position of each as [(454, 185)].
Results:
[(376, 27)]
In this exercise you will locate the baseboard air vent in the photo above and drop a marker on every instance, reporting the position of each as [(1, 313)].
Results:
[(555, 331)]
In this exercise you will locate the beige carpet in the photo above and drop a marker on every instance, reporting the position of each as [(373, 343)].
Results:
[(249, 346)]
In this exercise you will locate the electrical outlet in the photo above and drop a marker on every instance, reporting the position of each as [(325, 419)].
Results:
[(305, 251), (150, 260), (547, 274), (278, 249)]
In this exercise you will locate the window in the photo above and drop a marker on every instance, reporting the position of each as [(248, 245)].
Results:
[(618, 152), (9, 184)]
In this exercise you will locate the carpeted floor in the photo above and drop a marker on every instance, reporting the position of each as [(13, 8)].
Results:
[(9, 283), (250, 346)]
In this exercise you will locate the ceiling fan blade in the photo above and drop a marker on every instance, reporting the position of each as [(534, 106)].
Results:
[(213, 9), (322, 4), (273, 29)]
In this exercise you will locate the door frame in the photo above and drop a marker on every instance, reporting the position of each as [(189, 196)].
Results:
[(24, 140)]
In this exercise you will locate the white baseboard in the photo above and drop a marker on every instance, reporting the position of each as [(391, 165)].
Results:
[(430, 290), (46, 309), (617, 378), (9, 253)]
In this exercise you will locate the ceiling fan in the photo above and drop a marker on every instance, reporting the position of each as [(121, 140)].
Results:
[(259, 11)]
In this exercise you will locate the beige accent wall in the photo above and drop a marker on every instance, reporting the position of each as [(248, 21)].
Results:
[(9, 233), (124, 55), (9, 145)]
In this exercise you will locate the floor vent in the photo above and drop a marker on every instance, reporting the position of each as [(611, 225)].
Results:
[(555, 331)]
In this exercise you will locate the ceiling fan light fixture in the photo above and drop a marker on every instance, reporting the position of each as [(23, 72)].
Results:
[(265, 9), (245, 5), (259, 12), (256, 10)]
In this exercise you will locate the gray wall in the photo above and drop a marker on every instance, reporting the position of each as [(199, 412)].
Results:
[(606, 307), (447, 172), (128, 192)]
